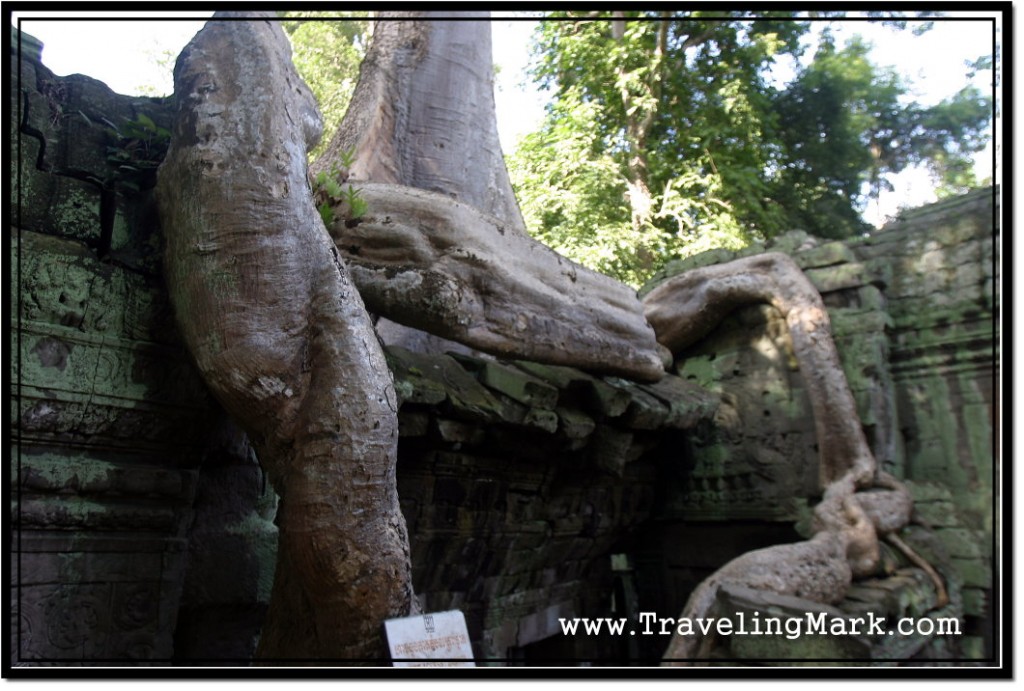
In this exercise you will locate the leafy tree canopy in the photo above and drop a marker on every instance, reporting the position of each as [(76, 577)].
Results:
[(327, 54), (665, 136)]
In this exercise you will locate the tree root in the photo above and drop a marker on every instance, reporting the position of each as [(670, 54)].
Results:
[(686, 307), (942, 595), (426, 261), (859, 504)]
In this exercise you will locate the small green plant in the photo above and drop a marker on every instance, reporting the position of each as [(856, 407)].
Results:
[(356, 204), (348, 157), (138, 148), (329, 192)]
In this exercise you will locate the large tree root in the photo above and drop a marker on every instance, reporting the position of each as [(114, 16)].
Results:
[(443, 247), (859, 504), (282, 339), (426, 261)]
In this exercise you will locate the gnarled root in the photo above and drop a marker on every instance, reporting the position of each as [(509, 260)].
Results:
[(859, 503), (687, 307), (429, 262), (818, 569)]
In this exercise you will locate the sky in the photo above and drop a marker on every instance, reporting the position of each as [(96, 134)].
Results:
[(126, 55)]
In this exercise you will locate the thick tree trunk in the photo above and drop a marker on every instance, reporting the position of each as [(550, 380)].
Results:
[(458, 262), (282, 338), (423, 114)]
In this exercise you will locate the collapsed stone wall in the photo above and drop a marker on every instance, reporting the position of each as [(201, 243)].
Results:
[(144, 528)]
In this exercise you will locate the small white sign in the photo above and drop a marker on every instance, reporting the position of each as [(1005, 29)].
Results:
[(430, 640)]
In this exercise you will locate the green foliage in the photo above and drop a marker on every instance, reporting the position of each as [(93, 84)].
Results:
[(327, 49), (664, 122), (330, 193), (665, 136), (847, 126), (136, 150)]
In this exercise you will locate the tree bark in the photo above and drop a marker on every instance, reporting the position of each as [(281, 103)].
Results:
[(457, 262), (281, 337), (423, 113), (859, 504), (435, 264)]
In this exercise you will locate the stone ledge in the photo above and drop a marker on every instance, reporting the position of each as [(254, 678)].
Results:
[(558, 400)]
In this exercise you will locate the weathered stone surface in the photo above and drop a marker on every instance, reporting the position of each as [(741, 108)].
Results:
[(744, 606), (826, 254), (575, 425), (110, 418), (518, 385), (232, 552), (918, 360)]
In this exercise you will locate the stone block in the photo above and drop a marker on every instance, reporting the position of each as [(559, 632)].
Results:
[(937, 513), (574, 424), (125, 611), (928, 491), (688, 403), (543, 419), (827, 254), (839, 277), (961, 542), (518, 385), (412, 383), (605, 400), (793, 241), (974, 573), (743, 606), (610, 449), (74, 210), (34, 188), (645, 411)]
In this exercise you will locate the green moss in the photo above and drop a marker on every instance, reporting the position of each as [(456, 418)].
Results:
[(700, 370), (77, 215)]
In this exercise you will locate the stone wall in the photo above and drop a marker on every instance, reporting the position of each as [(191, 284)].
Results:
[(913, 310), (143, 529), (520, 481), (110, 420)]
